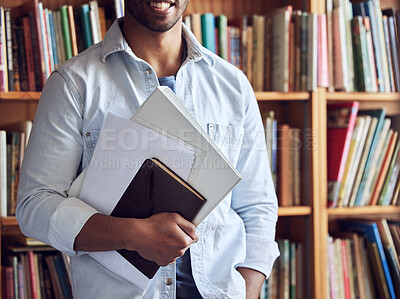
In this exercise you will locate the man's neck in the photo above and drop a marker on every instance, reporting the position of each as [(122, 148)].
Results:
[(162, 50)]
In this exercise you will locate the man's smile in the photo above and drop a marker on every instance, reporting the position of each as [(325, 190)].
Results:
[(160, 6)]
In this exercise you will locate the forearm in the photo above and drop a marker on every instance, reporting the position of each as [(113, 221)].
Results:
[(103, 233), (161, 238), (254, 281)]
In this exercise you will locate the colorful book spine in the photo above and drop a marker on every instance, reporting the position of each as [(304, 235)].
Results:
[(66, 31), (9, 49), (371, 55), (56, 61), (85, 20), (208, 31), (388, 53), (222, 25), (395, 46), (3, 53), (322, 65), (45, 44), (370, 12), (49, 39), (72, 30)]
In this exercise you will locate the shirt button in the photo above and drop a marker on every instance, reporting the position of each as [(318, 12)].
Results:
[(168, 281), (87, 134)]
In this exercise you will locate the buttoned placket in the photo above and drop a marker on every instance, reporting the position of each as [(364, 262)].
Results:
[(183, 89), (168, 281)]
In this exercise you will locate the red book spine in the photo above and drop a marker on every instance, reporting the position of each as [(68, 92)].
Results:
[(30, 62), (9, 282), (33, 277), (346, 277)]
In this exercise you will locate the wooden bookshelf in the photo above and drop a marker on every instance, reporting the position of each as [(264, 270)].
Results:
[(304, 109)]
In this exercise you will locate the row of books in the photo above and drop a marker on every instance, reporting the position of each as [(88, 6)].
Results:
[(37, 275), (12, 147), (363, 150), (284, 50), (363, 260), (363, 46), (284, 146), (286, 279), (39, 41)]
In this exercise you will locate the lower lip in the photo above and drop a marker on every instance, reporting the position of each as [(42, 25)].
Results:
[(159, 11)]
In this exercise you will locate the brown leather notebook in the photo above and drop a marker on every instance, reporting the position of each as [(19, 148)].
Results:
[(155, 189)]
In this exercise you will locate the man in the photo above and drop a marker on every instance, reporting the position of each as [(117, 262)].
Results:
[(233, 249)]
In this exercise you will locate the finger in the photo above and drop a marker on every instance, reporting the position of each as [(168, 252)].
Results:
[(187, 227)]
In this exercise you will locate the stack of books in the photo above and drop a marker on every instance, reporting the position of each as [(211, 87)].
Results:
[(40, 40), (37, 274), (363, 156), (363, 260), (285, 50), (287, 274), (13, 140), (284, 146), (363, 46)]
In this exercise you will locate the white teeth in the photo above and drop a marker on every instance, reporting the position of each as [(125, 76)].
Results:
[(162, 5)]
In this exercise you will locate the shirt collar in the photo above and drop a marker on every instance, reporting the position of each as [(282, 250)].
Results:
[(114, 41)]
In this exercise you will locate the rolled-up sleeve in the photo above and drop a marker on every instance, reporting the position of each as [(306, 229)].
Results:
[(51, 163), (254, 199)]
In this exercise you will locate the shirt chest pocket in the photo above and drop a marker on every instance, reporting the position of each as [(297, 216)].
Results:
[(228, 138)]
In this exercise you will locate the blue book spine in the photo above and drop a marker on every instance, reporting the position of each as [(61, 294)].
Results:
[(63, 277), (371, 232), (369, 10), (208, 31), (85, 17), (53, 38)]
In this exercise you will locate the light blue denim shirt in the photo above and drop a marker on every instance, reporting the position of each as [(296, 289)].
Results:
[(240, 232)]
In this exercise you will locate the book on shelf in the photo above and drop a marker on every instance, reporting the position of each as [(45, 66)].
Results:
[(382, 276), (50, 37), (285, 278), (368, 156), (13, 140), (353, 158), (341, 121)]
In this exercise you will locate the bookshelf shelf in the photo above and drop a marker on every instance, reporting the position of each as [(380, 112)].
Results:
[(294, 211), (368, 210), (363, 96), (19, 96), (9, 221), (282, 96)]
